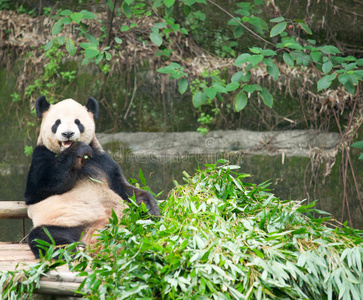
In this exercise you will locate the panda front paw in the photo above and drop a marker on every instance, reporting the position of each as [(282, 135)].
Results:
[(150, 202), (82, 152)]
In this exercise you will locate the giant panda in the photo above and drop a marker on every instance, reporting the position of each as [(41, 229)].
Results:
[(73, 184)]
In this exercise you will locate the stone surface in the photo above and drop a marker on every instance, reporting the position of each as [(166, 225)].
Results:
[(289, 143)]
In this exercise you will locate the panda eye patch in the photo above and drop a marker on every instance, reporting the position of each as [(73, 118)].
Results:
[(79, 124), (55, 126)]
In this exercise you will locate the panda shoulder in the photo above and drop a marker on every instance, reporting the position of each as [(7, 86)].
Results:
[(106, 161), (42, 152)]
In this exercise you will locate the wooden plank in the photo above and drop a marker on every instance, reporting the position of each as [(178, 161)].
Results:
[(13, 253), (13, 246), (6, 266), (13, 210)]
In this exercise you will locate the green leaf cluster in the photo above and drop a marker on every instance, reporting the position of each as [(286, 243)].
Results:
[(222, 237), (176, 71), (295, 52)]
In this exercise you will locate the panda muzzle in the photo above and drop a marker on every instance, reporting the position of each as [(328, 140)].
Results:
[(65, 144)]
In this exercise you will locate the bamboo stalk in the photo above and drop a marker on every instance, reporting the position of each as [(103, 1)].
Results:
[(13, 210)]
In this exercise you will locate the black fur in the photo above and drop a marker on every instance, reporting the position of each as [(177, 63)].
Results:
[(92, 106), (61, 236), (54, 174), (80, 125), (41, 106), (56, 125)]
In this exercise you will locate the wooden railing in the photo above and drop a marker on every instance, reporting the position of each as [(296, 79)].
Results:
[(13, 210), (60, 282)]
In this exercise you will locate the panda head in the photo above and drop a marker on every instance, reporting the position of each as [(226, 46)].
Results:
[(66, 122)]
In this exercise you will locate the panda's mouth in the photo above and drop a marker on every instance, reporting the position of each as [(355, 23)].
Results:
[(65, 144)]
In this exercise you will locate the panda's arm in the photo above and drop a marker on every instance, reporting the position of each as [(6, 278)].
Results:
[(50, 174), (122, 187)]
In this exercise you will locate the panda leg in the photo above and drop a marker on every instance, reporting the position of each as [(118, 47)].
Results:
[(61, 236)]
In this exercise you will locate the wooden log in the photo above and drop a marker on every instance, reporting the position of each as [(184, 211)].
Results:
[(58, 288), (60, 276), (60, 283), (13, 210)]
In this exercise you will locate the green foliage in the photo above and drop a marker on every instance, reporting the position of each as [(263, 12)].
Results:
[(284, 45), (28, 150), (46, 83), (359, 145), (205, 120), (15, 97), (68, 75), (219, 237)]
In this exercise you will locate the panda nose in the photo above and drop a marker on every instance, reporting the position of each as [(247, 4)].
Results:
[(68, 134)]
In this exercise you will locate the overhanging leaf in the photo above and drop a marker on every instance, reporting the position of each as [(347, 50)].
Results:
[(243, 58), (232, 86), (183, 85), (240, 101), (267, 97), (169, 3), (88, 14), (166, 70), (325, 81), (358, 144), (273, 70), (91, 52), (287, 59), (156, 38), (76, 17), (349, 86), (199, 99), (343, 78), (255, 59), (70, 47), (57, 27), (237, 77), (277, 29), (126, 9), (211, 92), (327, 66), (49, 44), (306, 28)]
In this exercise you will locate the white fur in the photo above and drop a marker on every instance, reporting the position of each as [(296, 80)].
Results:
[(88, 202), (67, 111)]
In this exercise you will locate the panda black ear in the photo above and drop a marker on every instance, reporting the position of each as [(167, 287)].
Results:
[(92, 106), (41, 106)]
